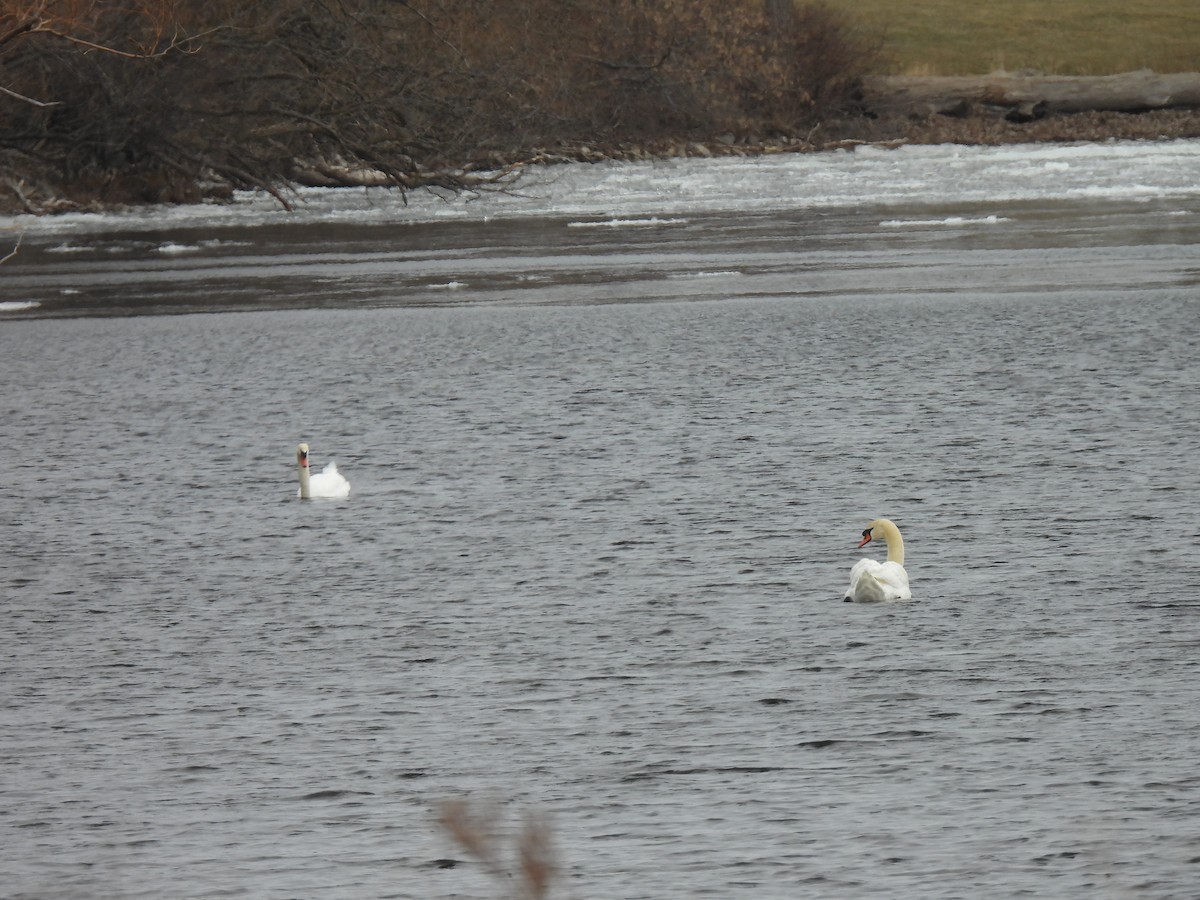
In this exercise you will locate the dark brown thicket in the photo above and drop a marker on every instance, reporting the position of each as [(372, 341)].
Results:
[(162, 100)]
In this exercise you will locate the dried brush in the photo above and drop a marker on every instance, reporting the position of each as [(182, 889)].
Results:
[(475, 830)]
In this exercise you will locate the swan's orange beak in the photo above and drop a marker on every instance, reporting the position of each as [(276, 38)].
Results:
[(866, 538), (304, 460)]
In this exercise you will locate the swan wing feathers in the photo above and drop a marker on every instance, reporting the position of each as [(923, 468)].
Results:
[(330, 483), (875, 582)]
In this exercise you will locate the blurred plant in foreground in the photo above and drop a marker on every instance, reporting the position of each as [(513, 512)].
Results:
[(475, 830)]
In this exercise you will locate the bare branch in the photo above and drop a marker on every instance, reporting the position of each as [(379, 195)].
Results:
[(40, 103), (13, 252), (113, 50), (13, 33)]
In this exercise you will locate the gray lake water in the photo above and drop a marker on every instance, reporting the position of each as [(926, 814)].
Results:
[(607, 486)]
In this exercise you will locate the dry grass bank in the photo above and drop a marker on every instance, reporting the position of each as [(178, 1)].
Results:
[(1063, 37)]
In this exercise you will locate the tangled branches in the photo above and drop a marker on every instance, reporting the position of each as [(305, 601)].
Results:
[(170, 101)]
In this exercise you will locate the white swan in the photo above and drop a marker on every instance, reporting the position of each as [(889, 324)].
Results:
[(328, 484), (875, 582)]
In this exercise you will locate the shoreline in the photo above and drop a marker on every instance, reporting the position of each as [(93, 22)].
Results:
[(995, 109)]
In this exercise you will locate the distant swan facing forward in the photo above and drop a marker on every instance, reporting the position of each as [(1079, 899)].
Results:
[(329, 484), (876, 582)]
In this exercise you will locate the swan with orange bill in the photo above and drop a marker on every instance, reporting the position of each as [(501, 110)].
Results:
[(875, 582), (328, 484)]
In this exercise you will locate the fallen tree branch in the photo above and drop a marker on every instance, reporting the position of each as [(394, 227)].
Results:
[(1033, 96)]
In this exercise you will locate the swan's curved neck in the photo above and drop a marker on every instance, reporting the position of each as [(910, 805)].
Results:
[(895, 544), (303, 464)]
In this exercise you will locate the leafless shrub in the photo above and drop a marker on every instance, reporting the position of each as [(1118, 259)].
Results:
[(702, 68), (167, 96)]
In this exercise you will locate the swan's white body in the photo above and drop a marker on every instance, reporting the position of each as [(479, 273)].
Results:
[(328, 484), (876, 582)]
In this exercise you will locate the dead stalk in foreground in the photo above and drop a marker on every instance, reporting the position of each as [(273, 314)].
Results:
[(474, 830)]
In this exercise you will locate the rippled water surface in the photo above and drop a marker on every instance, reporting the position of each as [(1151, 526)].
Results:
[(607, 481)]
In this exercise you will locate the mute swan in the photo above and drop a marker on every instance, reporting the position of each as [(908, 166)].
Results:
[(875, 582), (329, 484)]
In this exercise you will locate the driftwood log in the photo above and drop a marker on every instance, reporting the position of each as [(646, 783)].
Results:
[(1021, 97)]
